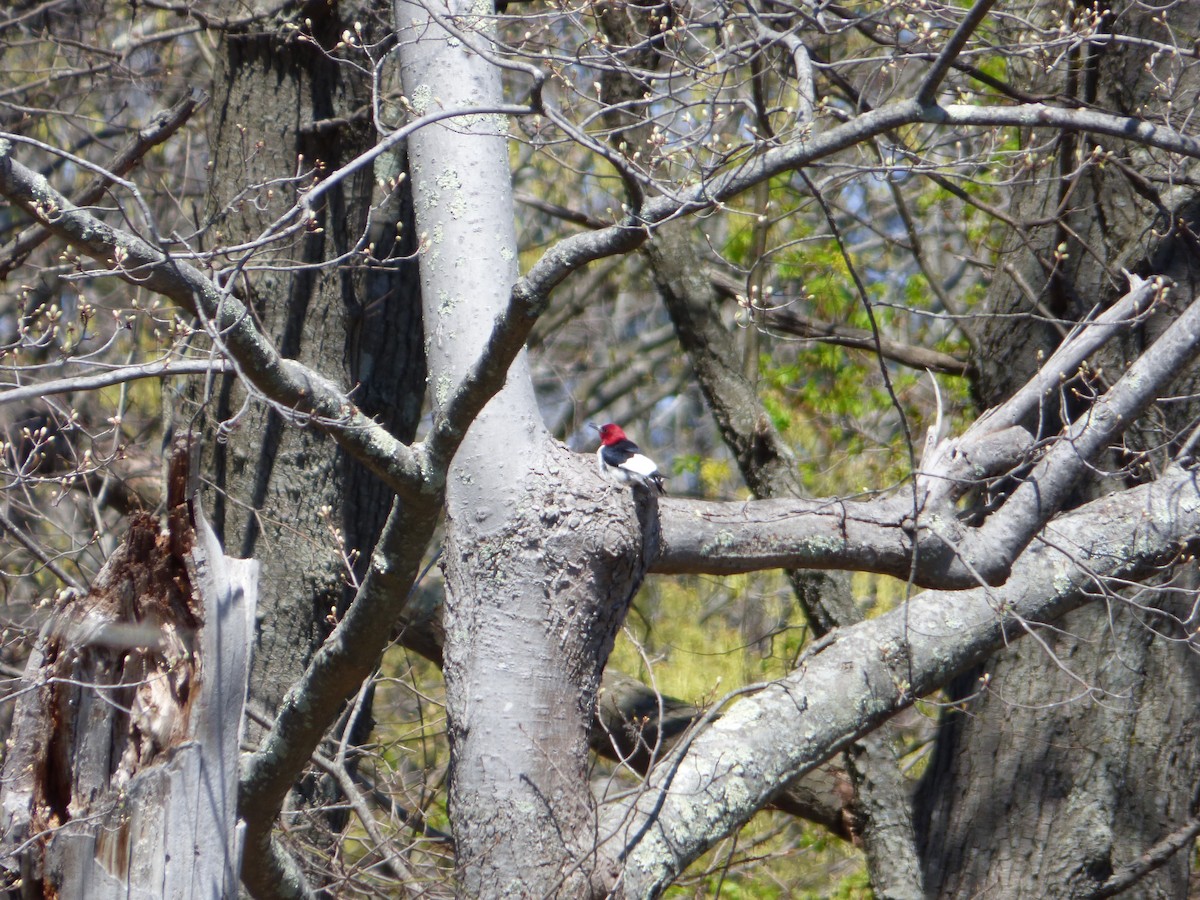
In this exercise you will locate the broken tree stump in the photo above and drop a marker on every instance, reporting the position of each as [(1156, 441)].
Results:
[(121, 775)]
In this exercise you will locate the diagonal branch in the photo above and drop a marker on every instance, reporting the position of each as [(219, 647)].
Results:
[(1004, 536), (567, 255), (791, 322), (911, 355), (878, 121), (945, 61), (14, 532), (940, 482), (159, 130), (529, 298), (531, 293), (1129, 874), (339, 667), (870, 671), (293, 387), (1084, 340)]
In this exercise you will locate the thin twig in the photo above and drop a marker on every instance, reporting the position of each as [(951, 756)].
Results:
[(119, 375), (44, 558)]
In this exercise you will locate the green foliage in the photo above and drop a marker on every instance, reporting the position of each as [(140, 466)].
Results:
[(855, 886), (776, 859), (696, 638), (411, 734)]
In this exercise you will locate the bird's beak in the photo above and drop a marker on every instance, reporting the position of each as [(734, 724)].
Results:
[(593, 425)]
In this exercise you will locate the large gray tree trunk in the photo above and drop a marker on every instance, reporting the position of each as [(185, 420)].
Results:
[(541, 558), (1079, 754)]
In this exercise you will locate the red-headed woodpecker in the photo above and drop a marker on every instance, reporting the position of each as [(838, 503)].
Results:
[(620, 460)]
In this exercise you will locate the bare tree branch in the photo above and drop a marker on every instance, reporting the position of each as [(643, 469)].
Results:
[(290, 385), (343, 662), (14, 531), (789, 321), (1128, 875), (908, 112), (870, 671), (569, 254), (997, 543), (119, 375), (161, 128), (876, 534), (941, 66)]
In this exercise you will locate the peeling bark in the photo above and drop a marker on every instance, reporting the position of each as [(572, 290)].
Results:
[(121, 780)]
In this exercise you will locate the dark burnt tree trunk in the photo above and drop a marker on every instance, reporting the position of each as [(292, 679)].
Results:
[(120, 778)]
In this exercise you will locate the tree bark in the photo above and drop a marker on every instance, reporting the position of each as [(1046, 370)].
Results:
[(290, 496), (281, 491), (121, 779), (1073, 757), (1075, 795), (541, 559)]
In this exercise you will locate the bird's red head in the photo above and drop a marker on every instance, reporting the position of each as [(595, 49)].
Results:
[(610, 434)]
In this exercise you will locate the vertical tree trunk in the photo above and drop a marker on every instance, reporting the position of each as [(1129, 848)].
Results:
[(1052, 782), (1077, 756), (541, 559), (280, 491)]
